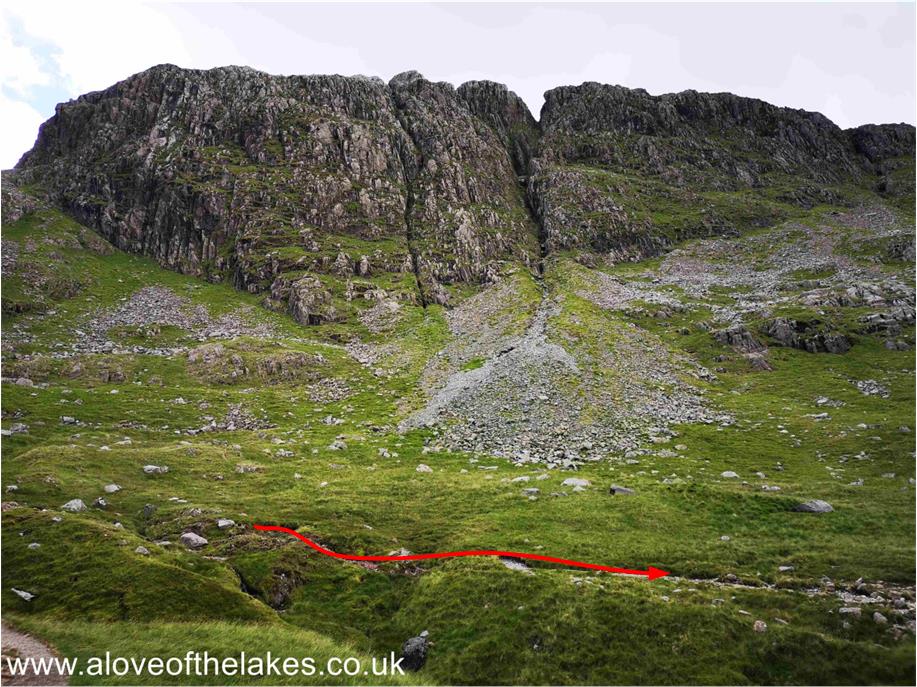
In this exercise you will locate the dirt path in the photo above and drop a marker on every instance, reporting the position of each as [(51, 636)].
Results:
[(17, 644)]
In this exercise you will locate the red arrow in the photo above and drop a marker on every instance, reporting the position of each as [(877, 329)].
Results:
[(650, 573)]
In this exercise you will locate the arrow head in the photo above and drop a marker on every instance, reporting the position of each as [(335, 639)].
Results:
[(655, 573)]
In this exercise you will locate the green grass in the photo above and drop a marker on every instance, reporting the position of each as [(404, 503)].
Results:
[(488, 624), (221, 640)]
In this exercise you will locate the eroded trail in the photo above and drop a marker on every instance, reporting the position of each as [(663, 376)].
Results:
[(19, 645), (650, 573)]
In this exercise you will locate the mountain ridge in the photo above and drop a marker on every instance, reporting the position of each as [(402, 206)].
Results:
[(299, 187)]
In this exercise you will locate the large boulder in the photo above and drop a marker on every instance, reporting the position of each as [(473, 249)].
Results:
[(814, 506), (414, 652), (739, 338), (74, 506), (806, 335), (193, 541)]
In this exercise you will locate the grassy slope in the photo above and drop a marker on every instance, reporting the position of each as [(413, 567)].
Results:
[(489, 624)]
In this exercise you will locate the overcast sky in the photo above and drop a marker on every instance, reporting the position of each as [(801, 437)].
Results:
[(853, 62)]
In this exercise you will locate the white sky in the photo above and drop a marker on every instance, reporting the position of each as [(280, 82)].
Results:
[(853, 62)]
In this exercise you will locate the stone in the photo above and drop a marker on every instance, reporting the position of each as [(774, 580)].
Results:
[(155, 469), (74, 506), (100, 503), (814, 506), (760, 626), (806, 335), (852, 611), (24, 595), (423, 467), (739, 338), (111, 488), (879, 618), (729, 474), (616, 490), (225, 523), (516, 565), (142, 550), (192, 540), (576, 482), (414, 652)]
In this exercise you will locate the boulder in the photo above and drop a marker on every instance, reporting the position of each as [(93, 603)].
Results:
[(192, 540), (155, 469), (814, 506), (414, 652), (806, 336), (739, 338), (74, 506), (576, 482)]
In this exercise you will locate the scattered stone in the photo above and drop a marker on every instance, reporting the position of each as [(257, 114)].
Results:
[(423, 467), (517, 565), (192, 540), (729, 474), (760, 626), (74, 506), (224, 523), (111, 488), (26, 596), (142, 550), (155, 469), (814, 506), (576, 482), (870, 387), (616, 490)]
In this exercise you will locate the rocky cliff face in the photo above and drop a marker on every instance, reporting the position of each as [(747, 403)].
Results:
[(623, 171), (319, 189), (234, 173)]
